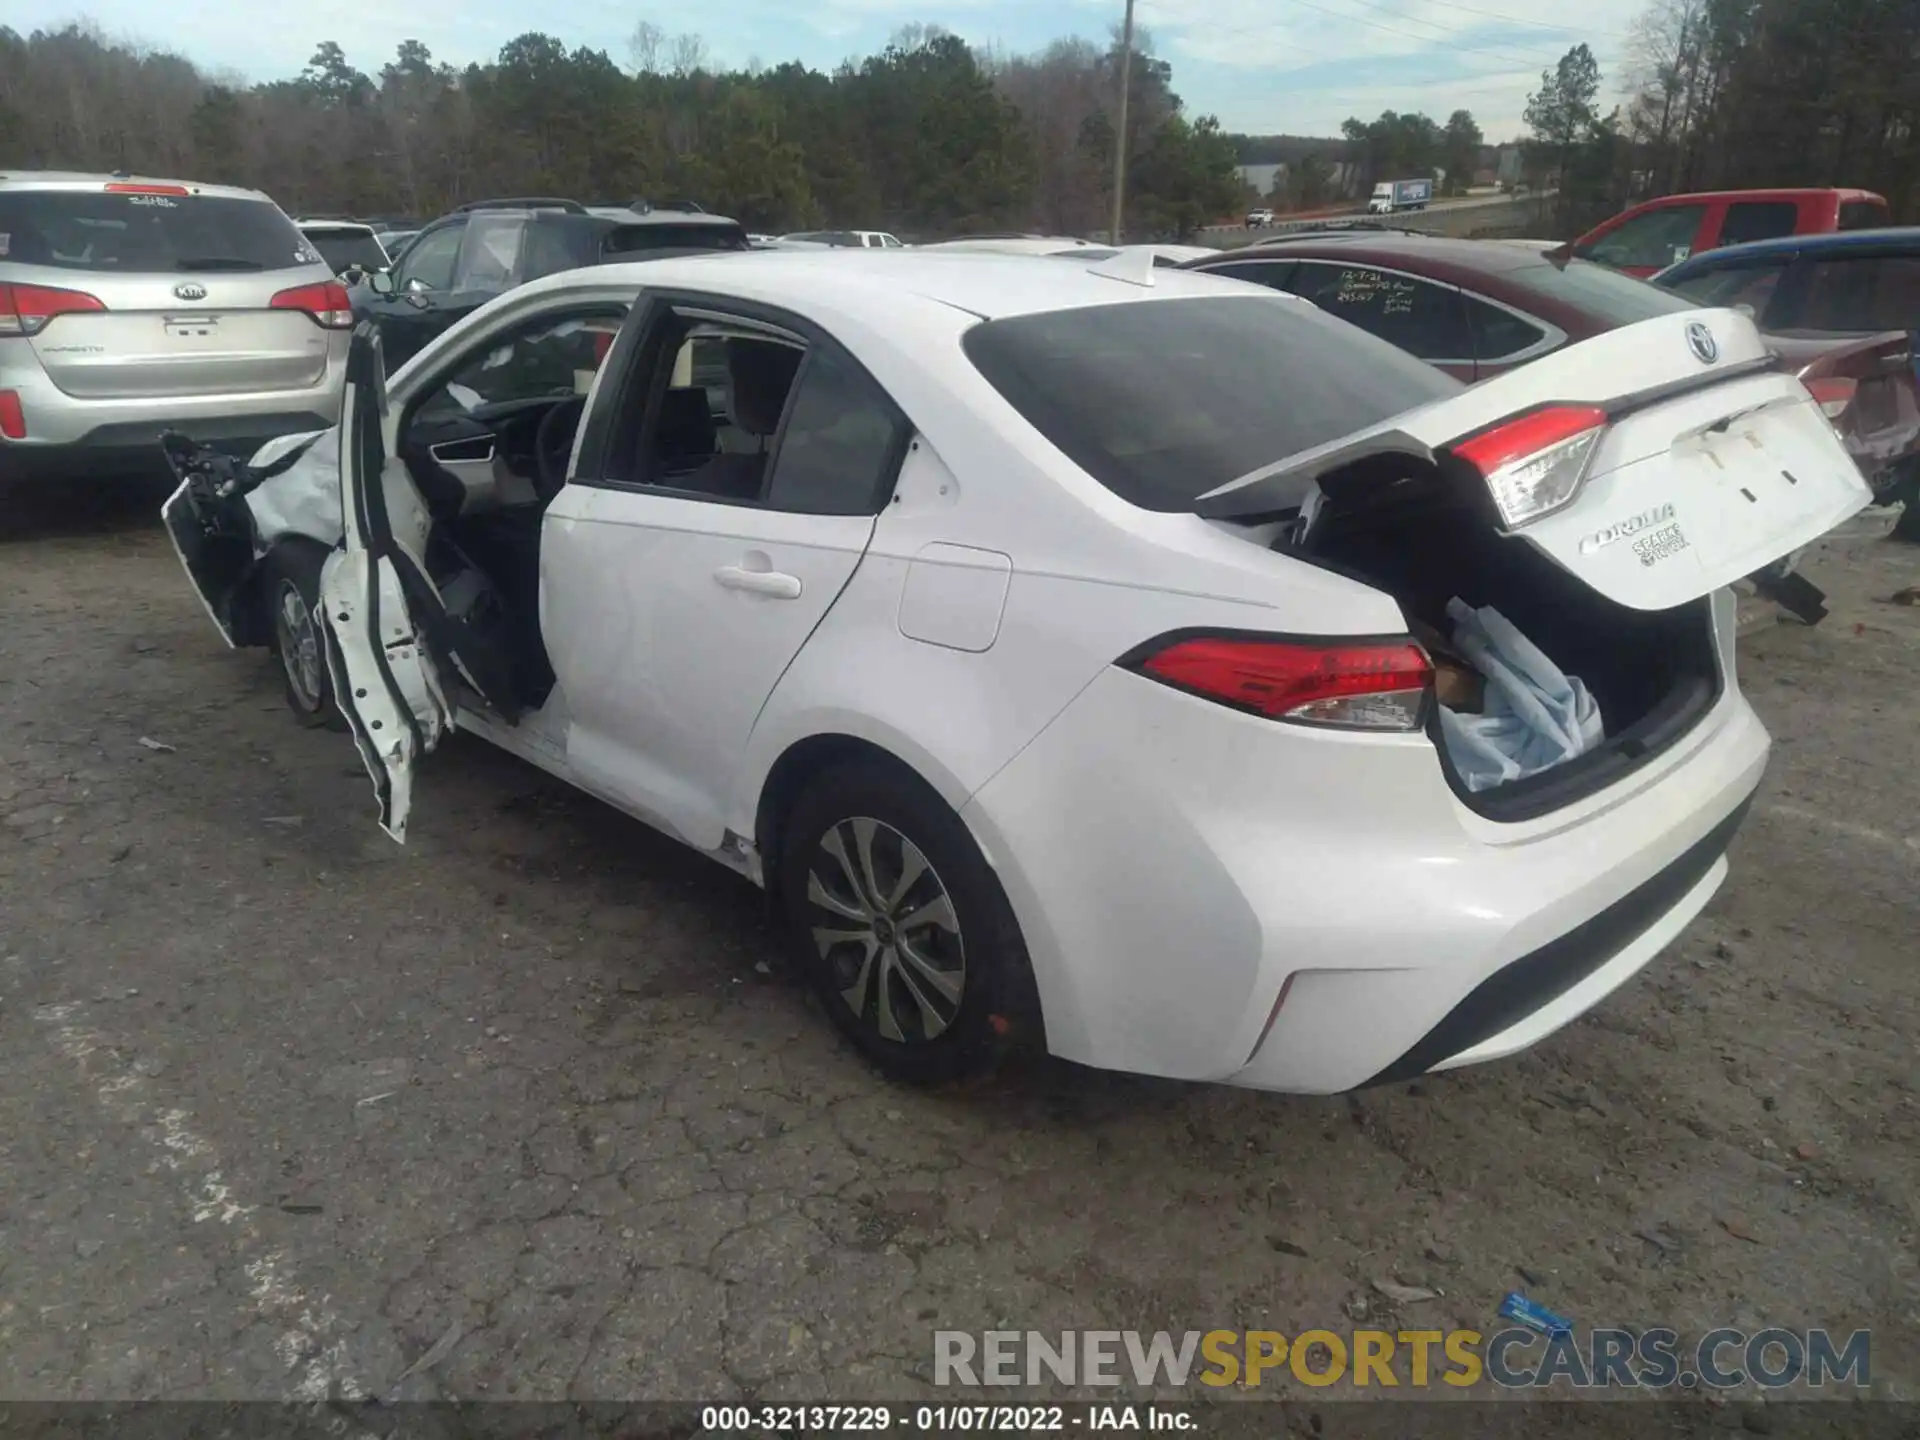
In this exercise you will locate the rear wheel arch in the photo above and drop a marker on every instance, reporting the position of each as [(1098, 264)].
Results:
[(788, 778)]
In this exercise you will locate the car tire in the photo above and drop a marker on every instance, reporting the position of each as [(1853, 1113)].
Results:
[(290, 581), (931, 980)]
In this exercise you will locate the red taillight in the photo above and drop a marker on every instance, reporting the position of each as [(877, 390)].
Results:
[(1534, 462), (27, 309), (602, 343), (327, 303), (1833, 394), (123, 187), (13, 420), (1367, 685)]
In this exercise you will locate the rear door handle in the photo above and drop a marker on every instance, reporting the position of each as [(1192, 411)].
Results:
[(759, 582)]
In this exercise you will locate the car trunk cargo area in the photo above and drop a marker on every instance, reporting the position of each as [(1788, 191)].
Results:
[(1652, 673)]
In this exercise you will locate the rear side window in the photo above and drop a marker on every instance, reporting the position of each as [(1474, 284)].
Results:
[(1498, 333), (128, 234), (1758, 220), (343, 249), (1655, 239), (1425, 320), (638, 239), (1605, 294), (1163, 400), (1748, 286), (1863, 214), (550, 249), (1860, 295)]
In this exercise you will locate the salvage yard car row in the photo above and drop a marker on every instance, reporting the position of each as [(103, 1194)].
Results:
[(1082, 651)]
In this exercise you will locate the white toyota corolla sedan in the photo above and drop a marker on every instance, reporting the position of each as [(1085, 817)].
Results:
[(1058, 644)]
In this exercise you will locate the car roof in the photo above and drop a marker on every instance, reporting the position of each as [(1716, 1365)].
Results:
[(894, 284), (1782, 192), (81, 180), (1889, 238), (355, 226)]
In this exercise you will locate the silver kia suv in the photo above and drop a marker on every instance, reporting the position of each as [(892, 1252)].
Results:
[(131, 306)]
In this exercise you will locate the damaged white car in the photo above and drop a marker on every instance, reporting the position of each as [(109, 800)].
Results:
[(1138, 662)]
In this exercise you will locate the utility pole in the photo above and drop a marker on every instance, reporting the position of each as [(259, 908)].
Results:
[(1120, 140)]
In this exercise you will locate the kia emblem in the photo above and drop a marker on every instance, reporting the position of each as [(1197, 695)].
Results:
[(190, 290), (1700, 340)]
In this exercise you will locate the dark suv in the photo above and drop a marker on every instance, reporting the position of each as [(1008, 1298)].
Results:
[(462, 260)]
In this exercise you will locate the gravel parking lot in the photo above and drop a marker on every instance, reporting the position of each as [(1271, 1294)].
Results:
[(286, 1109)]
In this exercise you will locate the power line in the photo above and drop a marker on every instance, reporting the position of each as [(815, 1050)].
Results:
[(1517, 20), (1444, 30), (1535, 61), (1409, 35)]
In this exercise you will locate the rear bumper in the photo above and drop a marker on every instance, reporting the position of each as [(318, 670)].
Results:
[(128, 445), (1210, 896)]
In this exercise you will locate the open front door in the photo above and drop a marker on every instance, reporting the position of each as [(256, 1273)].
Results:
[(385, 679)]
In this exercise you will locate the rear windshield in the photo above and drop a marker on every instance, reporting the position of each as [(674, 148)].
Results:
[(147, 233), (1164, 400), (1734, 286), (343, 249), (637, 239), (1595, 290)]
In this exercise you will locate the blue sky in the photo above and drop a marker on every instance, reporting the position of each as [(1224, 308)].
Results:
[(1299, 66)]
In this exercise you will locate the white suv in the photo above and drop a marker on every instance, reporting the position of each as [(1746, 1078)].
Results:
[(130, 306)]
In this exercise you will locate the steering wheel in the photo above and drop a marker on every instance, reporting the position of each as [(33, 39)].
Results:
[(553, 445)]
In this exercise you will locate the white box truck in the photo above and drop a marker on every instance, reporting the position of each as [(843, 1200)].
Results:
[(1392, 195)]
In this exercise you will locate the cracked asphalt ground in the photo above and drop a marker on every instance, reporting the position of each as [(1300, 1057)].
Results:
[(528, 1110)]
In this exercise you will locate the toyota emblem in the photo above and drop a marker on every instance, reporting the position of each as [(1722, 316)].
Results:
[(192, 290), (1700, 340)]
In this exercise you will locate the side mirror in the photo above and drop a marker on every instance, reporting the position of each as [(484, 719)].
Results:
[(380, 282)]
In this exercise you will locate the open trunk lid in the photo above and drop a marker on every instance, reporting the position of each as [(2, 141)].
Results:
[(1657, 462)]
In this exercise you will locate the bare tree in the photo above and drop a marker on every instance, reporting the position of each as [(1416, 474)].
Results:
[(644, 47), (688, 54)]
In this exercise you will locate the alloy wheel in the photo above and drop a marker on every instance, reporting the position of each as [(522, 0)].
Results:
[(886, 926), (299, 646)]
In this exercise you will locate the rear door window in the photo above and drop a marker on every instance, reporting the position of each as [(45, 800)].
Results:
[(1653, 240), (147, 232), (490, 253), (841, 441), (1758, 220), (1163, 400), (1426, 320)]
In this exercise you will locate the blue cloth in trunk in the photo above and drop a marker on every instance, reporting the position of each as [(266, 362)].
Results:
[(1535, 715)]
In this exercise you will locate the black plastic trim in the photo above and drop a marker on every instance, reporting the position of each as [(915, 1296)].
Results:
[(1517, 990)]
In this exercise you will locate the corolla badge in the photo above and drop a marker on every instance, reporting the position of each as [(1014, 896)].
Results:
[(190, 290), (1621, 529), (1700, 340)]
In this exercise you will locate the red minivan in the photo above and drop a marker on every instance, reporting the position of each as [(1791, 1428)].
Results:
[(1651, 236)]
